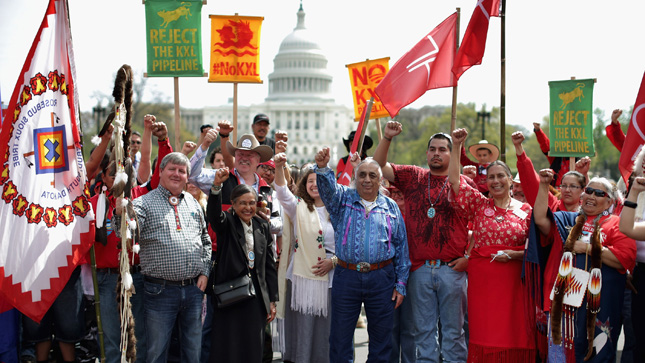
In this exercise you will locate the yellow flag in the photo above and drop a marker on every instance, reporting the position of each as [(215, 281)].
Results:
[(235, 49), (364, 77)]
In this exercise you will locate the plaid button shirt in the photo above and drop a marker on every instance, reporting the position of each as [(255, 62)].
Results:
[(167, 252)]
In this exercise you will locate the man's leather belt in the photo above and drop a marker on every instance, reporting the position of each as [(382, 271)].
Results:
[(364, 266), (435, 263), (115, 270), (187, 282)]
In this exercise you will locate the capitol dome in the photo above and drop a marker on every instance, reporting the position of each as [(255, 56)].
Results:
[(300, 68)]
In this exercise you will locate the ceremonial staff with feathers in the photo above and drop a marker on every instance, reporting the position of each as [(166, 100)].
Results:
[(120, 118)]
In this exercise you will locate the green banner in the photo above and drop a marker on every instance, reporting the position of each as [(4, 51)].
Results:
[(571, 121), (174, 40)]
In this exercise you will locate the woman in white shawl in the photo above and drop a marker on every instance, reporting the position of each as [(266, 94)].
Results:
[(311, 262)]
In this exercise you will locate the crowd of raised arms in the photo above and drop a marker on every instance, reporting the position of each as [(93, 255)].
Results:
[(239, 255)]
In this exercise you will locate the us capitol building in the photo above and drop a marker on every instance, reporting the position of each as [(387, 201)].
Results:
[(299, 102)]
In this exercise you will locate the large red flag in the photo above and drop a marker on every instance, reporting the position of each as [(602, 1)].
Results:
[(471, 50), (426, 66), (635, 137), (45, 215)]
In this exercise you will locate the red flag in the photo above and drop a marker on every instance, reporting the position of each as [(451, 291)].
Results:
[(45, 214), (346, 176), (635, 137), (424, 67), (472, 47)]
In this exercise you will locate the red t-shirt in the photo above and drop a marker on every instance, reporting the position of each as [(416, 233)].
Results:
[(444, 236)]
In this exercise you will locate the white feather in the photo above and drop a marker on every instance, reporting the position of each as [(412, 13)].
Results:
[(124, 202), (96, 140), (136, 248), (127, 281), (100, 210), (121, 178), (132, 224)]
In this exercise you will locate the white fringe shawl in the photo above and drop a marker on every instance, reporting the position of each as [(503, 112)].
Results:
[(309, 292)]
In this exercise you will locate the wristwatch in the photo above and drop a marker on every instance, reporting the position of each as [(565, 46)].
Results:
[(215, 189)]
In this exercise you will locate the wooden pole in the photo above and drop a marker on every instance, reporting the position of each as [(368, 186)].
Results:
[(378, 129), (453, 114), (502, 101), (572, 159), (234, 141), (177, 116)]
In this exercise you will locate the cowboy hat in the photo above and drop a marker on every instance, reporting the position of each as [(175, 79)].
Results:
[(367, 141), (483, 144), (249, 142)]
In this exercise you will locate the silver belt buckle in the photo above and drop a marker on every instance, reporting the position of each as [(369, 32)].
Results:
[(363, 267)]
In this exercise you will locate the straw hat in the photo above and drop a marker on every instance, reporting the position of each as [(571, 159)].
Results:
[(484, 145)]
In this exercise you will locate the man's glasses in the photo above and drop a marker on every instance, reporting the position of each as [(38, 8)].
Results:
[(571, 187), (137, 142), (597, 192)]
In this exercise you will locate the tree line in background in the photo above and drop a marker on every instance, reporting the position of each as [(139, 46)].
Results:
[(419, 124)]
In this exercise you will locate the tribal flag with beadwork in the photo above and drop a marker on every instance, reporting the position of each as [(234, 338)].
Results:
[(45, 215)]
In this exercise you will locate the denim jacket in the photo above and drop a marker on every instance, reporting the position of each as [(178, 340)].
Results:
[(377, 237)]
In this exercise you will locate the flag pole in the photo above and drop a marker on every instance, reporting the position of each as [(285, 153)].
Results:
[(95, 281), (177, 117), (502, 101), (379, 132), (233, 140), (453, 115), (97, 304)]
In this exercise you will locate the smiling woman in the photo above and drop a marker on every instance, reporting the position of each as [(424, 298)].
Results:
[(591, 243), (500, 227), (244, 247)]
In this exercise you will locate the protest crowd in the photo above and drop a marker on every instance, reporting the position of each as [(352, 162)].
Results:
[(226, 252), (244, 255)]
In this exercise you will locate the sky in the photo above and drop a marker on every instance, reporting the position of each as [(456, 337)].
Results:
[(546, 40)]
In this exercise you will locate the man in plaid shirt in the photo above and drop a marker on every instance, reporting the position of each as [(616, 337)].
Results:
[(175, 260)]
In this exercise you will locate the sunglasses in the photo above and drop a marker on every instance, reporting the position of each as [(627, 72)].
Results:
[(135, 142), (598, 192)]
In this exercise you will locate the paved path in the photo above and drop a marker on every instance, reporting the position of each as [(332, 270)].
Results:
[(361, 345)]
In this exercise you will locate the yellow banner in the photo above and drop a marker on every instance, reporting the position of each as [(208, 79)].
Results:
[(235, 49), (364, 77)]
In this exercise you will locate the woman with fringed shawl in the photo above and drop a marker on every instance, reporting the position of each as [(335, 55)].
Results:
[(498, 328), (582, 268), (310, 267)]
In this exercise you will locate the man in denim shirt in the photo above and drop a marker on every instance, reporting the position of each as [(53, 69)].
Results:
[(372, 258)]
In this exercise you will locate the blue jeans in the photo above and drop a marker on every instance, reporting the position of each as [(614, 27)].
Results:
[(351, 289), (403, 348), (433, 292), (64, 318), (9, 336), (110, 317), (164, 304), (207, 330)]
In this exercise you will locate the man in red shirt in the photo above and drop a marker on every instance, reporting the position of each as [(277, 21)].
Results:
[(437, 240)]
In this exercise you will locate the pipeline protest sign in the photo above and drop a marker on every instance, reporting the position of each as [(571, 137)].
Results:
[(571, 121), (364, 77), (235, 49), (174, 40)]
